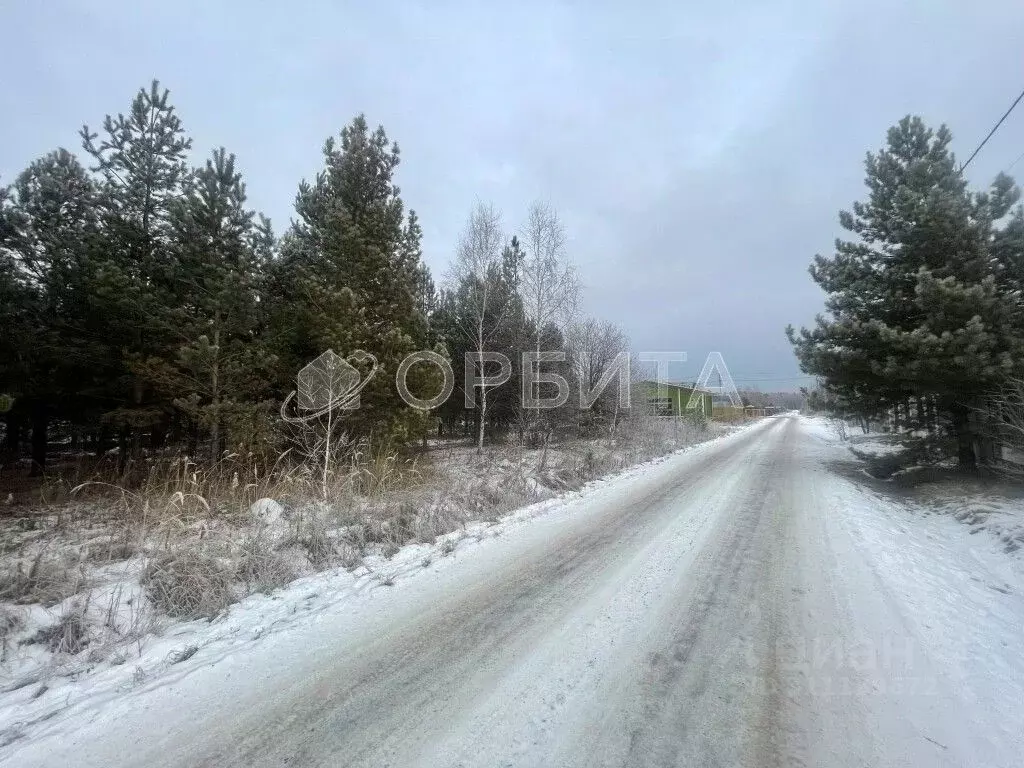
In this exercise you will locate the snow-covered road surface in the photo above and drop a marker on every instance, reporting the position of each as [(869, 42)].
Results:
[(738, 604)]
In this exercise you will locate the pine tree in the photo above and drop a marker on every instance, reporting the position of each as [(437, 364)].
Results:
[(349, 273), (426, 293), (1008, 265), (52, 351), (15, 299), (446, 331), (141, 160), (914, 303), (513, 336), (216, 369)]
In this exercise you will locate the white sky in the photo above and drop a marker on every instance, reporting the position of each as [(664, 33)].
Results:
[(697, 152)]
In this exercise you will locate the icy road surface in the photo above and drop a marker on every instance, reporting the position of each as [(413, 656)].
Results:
[(739, 604)]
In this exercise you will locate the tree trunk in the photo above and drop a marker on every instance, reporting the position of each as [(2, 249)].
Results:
[(158, 433), (483, 415), (11, 450), (215, 450), (215, 427), (40, 423), (544, 451), (102, 441), (123, 449), (961, 418), (193, 440)]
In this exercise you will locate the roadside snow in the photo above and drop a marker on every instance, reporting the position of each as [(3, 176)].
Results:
[(32, 699), (922, 619), (959, 598), (876, 444)]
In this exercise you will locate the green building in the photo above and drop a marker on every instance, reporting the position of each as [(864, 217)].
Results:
[(671, 400)]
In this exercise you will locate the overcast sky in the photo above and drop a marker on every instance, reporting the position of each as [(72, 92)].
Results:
[(698, 153)]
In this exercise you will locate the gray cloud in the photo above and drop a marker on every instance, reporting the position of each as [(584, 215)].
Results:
[(697, 155)]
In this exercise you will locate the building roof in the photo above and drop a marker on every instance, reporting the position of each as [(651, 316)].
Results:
[(687, 385)]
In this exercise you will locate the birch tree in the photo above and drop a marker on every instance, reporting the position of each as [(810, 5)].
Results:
[(476, 276), (548, 284), (595, 348)]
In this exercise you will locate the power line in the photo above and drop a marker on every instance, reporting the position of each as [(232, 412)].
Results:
[(994, 129), (1019, 158)]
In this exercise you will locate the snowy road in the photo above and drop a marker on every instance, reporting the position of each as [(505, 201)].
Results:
[(737, 604)]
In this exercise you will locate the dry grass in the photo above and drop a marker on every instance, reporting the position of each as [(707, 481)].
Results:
[(436, 521), (11, 620), (172, 509), (314, 536), (112, 548), (191, 544), (68, 635), (49, 577), (261, 568), (189, 584)]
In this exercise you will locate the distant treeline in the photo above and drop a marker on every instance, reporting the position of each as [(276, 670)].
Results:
[(145, 306)]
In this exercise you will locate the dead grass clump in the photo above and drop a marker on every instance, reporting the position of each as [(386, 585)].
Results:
[(70, 634), (188, 585), (390, 524), (375, 531), (110, 550), (262, 569), (593, 464), (436, 521), (50, 578), (317, 542), (403, 522), (11, 620), (484, 498), (349, 554)]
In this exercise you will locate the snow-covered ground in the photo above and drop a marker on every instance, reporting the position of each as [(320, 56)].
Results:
[(739, 602), (37, 686), (951, 604), (988, 504), (90, 584)]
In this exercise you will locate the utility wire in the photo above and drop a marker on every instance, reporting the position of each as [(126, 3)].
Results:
[(1019, 158), (994, 129)]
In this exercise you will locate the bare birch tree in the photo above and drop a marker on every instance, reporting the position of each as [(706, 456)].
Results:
[(595, 348), (475, 276), (548, 284), (327, 388)]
